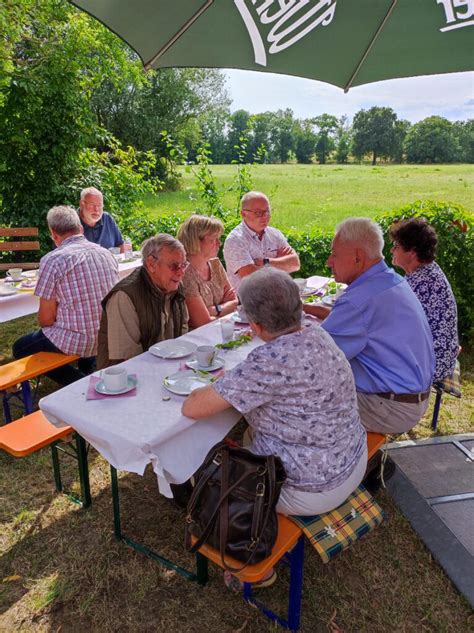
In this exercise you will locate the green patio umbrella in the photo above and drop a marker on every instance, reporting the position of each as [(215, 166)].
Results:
[(343, 42)]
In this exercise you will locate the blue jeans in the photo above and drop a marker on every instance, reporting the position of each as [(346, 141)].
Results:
[(37, 342)]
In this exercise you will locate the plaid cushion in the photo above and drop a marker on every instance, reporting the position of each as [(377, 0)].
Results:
[(451, 384), (335, 531)]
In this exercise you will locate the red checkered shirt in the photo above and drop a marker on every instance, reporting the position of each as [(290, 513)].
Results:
[(78, 274)]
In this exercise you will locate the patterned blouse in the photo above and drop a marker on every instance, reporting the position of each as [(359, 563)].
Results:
[(430, 285), (298, 396), (212, 291)]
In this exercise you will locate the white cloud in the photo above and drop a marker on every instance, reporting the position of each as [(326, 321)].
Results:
[(451, 96)]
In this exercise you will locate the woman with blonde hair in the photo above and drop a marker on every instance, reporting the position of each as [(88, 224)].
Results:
[(207, 289)]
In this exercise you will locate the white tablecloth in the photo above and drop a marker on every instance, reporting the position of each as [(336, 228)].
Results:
[(133, 432), (24, 303), (145, 429)]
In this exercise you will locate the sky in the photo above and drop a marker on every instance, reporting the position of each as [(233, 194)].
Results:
[(450, 96)]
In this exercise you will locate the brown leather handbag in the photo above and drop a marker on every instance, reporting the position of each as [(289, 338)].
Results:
[(232, 507)]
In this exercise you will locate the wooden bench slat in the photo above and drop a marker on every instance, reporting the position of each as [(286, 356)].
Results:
[(19, 246), (27, 435), (31, 366), (18, 232), (23, 265)]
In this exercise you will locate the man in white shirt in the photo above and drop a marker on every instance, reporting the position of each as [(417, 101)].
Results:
[(254, 244)]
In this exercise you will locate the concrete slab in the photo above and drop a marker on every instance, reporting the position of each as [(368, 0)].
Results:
[(434, 488)]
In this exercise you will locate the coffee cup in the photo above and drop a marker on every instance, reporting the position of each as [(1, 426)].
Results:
[(241, 313), (114, 378), (15, 273), (301, 283), (227, 329), (205, 355)]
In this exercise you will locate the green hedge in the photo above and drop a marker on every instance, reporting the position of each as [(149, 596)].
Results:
[(453, 224)]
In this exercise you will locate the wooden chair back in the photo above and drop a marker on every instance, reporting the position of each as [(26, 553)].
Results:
[(18, 246)]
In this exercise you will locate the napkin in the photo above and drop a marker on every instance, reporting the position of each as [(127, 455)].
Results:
[(92, 394)]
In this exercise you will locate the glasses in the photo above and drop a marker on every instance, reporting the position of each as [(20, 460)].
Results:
[(174, 267), (258, 214)]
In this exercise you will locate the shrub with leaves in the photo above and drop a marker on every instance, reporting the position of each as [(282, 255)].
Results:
[(455, 229)]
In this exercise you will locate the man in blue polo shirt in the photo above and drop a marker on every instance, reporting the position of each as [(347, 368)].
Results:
[(99, 226), (382, 329)]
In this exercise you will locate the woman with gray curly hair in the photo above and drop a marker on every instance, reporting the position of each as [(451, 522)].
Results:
[(298, 396)]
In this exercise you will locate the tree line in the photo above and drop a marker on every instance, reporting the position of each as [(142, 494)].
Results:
[(76, 109)]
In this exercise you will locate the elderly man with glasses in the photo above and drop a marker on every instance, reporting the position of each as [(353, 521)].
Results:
[(147, 306), (254, 244)]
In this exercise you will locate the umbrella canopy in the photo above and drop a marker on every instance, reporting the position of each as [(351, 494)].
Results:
[(343, 42)]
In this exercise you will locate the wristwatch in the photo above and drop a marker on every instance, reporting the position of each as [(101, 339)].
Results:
[(266, 261), (218, 308)]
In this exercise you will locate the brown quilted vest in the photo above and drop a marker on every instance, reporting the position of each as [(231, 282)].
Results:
[(148, 302)]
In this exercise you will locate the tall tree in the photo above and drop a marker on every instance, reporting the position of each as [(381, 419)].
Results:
[(401, 128), (465, 134), (343, 139), (325, 142), (238, 125), (305, 140), (374, 132), (432, 140), (282, 135)]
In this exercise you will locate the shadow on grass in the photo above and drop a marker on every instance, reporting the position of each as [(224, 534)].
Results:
[(66, 571)]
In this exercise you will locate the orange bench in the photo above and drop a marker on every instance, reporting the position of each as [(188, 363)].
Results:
[(22, 370), (33, 432), (289, 546)]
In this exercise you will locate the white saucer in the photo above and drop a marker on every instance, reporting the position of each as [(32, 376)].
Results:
[(7, 291), (307, 292), (217, 363), (183, 382), (100, 387), (173, 349)]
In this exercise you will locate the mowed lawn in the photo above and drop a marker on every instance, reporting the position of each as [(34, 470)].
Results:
[(322, 195)]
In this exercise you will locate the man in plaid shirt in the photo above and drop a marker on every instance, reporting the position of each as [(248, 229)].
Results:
[(73, 280)]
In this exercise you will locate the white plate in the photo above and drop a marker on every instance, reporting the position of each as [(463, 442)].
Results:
[(100, 387), (173, 349), (307, 292), (30, 274), (330, 300), (183, 382), (7, 291), (217, 363)]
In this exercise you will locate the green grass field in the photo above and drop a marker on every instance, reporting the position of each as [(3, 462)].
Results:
[(322, 195)]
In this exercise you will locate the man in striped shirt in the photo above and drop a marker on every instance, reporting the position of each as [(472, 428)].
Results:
[(73, 280)]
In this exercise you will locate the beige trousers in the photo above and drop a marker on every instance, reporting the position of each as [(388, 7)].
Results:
[(388, 416)]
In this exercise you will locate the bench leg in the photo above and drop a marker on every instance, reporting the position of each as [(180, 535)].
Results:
[(201, 569), (6, 408), (27, 399), (56, 467), (437, 404), (296, 584)]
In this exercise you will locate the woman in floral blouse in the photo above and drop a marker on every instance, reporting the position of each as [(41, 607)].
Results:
[(207, 289), (414, 250)]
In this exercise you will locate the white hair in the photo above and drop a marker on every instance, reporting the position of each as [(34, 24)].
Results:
[(154, 245), (364, 232), (271, 298), (252, 195), (93, 191)]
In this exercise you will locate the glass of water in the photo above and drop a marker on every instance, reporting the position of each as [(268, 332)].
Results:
[(227, 329)]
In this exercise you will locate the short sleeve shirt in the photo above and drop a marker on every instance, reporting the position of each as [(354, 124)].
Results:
[(78, 275), (430, 285), (298, 396), (243, 246), (105, 232), (211, 291)]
